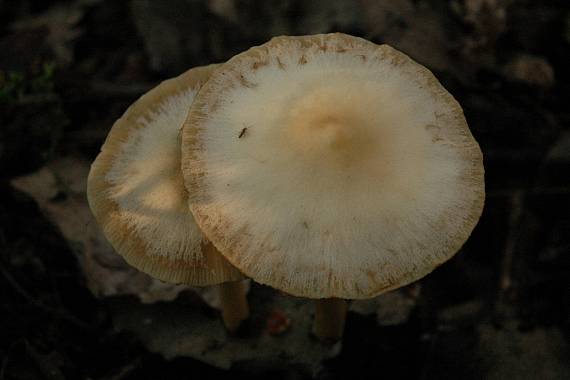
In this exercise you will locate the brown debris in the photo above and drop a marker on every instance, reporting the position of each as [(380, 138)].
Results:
[(277, 323)]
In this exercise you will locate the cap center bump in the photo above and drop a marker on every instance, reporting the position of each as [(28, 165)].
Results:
[(322, 124)]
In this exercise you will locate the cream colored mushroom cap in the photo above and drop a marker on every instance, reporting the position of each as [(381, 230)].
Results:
[(329, 166), (136, 192)]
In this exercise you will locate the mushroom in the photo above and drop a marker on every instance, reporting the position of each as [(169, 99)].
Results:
[(136, 192), (357, 173)]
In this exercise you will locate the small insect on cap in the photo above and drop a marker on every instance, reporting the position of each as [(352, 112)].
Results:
[(356, 173), (137, 195)]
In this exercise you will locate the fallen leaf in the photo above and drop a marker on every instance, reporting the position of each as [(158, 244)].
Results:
[(59, 189)]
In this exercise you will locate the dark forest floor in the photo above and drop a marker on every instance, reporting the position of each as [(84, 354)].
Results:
[(499, 309)]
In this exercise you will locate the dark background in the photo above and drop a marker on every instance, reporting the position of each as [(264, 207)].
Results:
[(499, 309)]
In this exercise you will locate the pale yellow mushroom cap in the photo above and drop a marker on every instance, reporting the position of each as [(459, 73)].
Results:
[(329, 166), (136, 192)]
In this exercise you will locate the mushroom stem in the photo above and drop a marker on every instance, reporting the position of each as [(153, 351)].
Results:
[(330, 314), (235, 308)]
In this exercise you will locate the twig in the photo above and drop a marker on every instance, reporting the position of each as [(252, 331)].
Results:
[(120, 90), (37, 99), (505, 277), (531, 192)]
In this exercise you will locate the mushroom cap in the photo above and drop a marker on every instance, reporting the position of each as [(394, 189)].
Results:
[(136, 192), (329, 166)]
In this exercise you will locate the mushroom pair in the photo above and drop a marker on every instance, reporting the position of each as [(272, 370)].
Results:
[(324, 166)]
